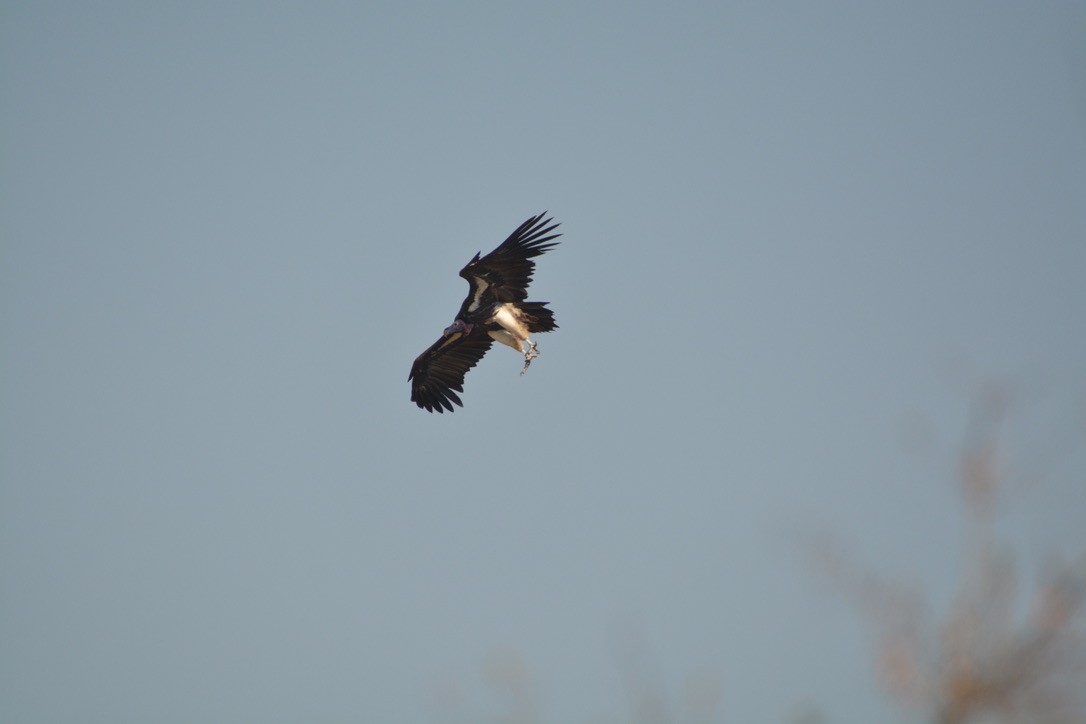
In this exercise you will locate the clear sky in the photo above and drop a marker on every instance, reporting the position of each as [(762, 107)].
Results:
[(226, 230)]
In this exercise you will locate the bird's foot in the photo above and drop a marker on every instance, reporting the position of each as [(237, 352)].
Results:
[(531, 354)]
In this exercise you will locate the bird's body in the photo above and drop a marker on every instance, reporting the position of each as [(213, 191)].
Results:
[(495, 310)]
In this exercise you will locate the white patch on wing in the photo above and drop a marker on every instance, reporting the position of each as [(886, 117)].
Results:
[(480, 287), (449, 340)]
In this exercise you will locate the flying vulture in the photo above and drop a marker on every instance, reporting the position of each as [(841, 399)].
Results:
[(494, 310)]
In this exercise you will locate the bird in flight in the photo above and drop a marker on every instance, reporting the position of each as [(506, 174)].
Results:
[(494, 310)]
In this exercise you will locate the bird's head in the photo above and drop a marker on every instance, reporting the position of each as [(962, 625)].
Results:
[(458, 326)]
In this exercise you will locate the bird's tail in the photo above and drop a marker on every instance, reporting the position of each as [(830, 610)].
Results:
[(540, 319)]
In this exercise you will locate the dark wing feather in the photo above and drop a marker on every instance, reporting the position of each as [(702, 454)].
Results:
[(441, 369), (508, 269)]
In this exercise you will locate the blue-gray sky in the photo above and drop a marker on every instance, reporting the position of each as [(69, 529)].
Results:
[(228, 228)]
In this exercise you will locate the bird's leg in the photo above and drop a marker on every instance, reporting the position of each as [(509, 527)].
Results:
[(529, 354)]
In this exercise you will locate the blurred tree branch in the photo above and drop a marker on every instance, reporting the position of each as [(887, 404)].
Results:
[(982, 662)]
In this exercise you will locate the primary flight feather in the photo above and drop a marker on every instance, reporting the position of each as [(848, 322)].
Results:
[(494, 310)]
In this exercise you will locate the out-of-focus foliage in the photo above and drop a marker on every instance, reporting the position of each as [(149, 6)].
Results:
[(981, 661)]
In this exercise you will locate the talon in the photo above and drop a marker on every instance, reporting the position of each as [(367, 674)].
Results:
[(529, 354)]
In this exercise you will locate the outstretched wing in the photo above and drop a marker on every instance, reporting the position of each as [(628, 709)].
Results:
[(440, 370), (506, 271)]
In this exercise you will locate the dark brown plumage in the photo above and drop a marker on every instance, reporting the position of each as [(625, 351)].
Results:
[(494, 310)]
